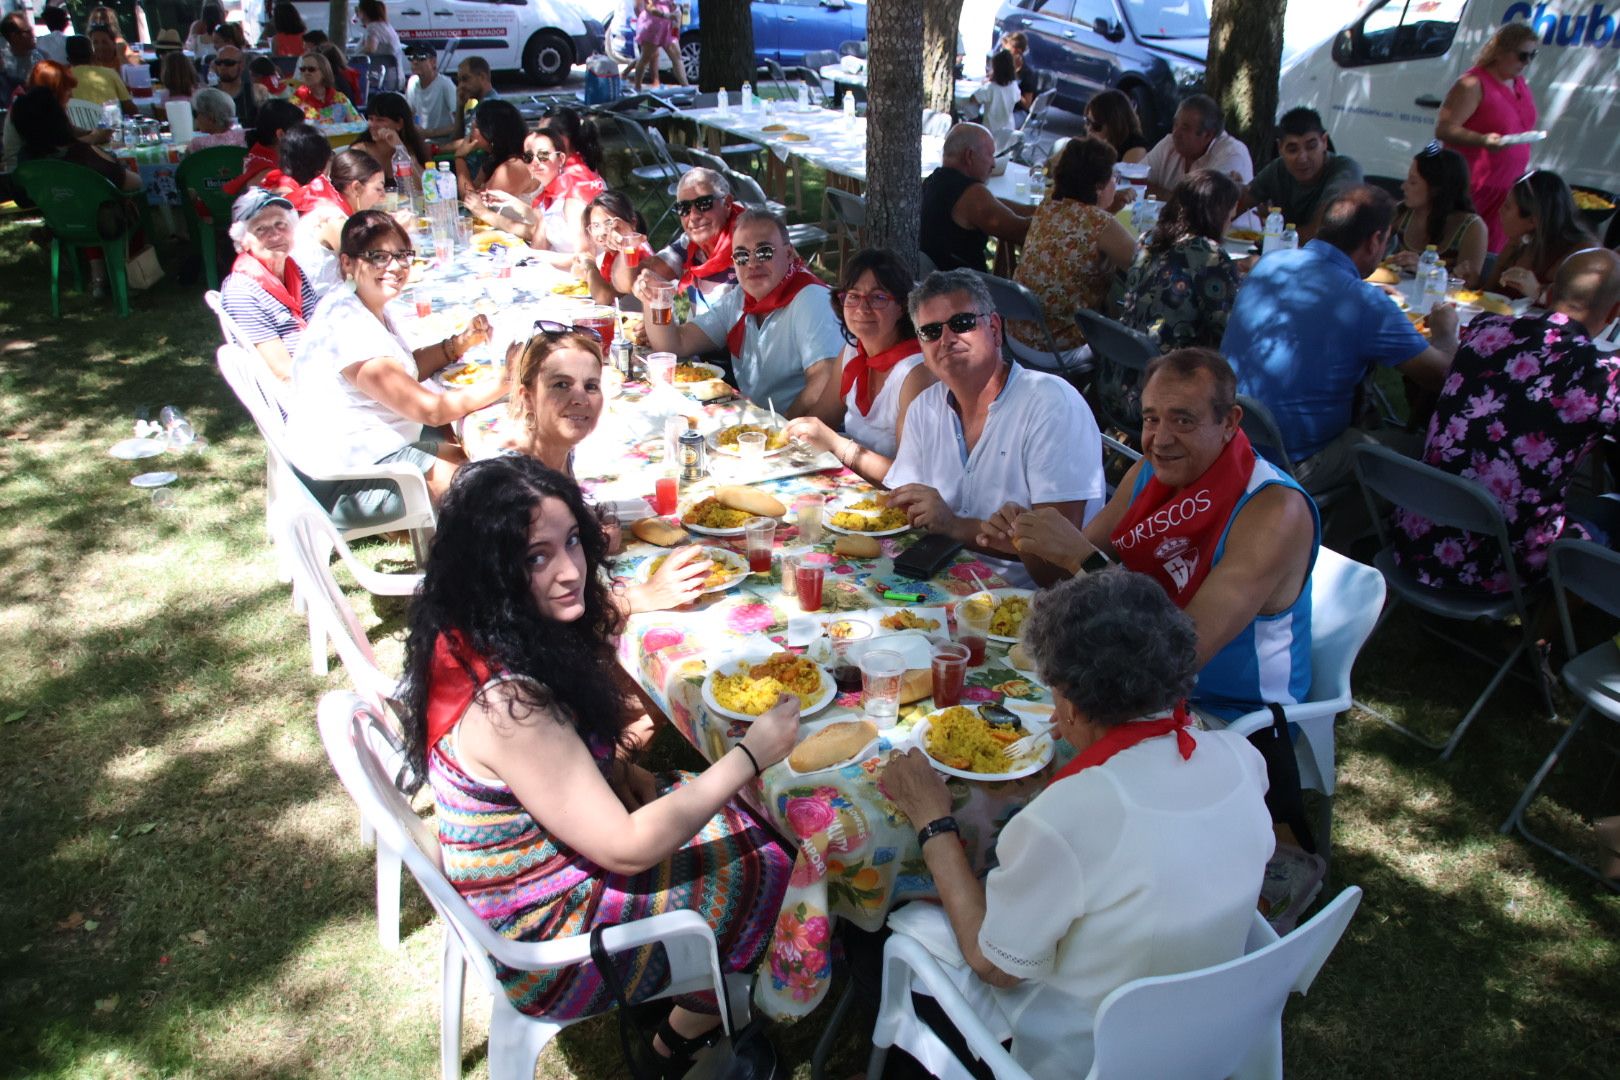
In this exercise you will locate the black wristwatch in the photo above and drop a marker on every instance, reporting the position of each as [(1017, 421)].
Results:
[(1095, 563), (945, 824)]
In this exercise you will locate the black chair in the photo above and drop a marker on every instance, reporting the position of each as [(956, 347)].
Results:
[(1457, 503), (1261, 428), (852, 48), (1015, 302), (1119, 357), (807, 239), (1593, 574)]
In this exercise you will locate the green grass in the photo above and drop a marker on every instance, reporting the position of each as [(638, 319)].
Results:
[(184, 890)]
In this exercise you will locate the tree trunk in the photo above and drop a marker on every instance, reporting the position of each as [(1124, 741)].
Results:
[(1245, 60), (894, 103), (940, 21), (337, 27), (728, 46)]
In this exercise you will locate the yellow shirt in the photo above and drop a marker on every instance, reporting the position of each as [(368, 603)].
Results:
[(99, 84)]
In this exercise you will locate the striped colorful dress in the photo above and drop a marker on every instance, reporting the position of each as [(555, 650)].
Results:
[(531, 887)]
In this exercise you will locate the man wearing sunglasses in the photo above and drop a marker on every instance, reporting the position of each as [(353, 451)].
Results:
[(989, 431), (782, 334), (959, 215), (700, 257), (431, 98), (231, 70)]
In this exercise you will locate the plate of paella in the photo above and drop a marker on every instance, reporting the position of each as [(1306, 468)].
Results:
[(866, 515), (743, 687), (960, 742), (727, 571)]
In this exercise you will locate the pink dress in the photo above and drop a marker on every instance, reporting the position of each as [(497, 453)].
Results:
[(654, 31), (1504, 111)]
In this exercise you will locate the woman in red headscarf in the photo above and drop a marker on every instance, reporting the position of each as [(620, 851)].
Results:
[(882, 369)]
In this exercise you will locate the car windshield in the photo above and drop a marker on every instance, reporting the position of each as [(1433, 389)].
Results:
[(1169, 18)]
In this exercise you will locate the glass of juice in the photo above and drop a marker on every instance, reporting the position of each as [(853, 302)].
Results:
[(973, 625), (666, 493), (630, 245), (810, 578), (761, 537), (661, 367), (881, 673), (950, 663), (602, 320), (424, 304)]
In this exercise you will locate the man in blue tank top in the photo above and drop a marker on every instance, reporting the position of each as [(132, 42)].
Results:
[(1229, 537)]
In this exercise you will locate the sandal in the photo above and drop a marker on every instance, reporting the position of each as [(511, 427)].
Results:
[(681, 1048)]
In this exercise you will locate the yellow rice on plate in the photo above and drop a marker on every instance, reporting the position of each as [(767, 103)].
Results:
[(1009, 616), (881, 521), (962, 739), (756, 687), (710, 514)]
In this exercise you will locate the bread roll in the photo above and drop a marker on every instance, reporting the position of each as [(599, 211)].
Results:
[(916, 684), (1384, 276), (1019, 658), (750, 500), (858, 547), (660, 531), (831, 745), (708, 391)]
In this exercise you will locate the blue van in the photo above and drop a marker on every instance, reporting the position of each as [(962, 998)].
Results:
[(1152, 50), (784, 30)]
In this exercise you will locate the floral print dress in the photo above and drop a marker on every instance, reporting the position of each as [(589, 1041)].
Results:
[(1065, 269), (1181, 297), (1526, 399)]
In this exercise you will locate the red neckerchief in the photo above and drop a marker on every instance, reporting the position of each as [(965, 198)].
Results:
[(583, 182), (797, 279), (1170, 533), (1124, 736), (307, 97), (719, 260), (273, 83), (306, 197), (857, 372), (259, 158), (287, 290), (450, 689)]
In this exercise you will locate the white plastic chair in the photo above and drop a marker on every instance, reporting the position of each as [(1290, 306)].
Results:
[(1346, 597), (252, 383), (1213, 1023), (350, 730), (235, 335)]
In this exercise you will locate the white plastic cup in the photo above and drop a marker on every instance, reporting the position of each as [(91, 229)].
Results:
[(660, 367), (882, 671), (180, 125)]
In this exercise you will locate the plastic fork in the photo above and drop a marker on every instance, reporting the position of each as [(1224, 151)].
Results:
[(1026, 746)]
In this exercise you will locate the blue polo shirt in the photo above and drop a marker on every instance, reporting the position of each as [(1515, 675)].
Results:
[(1303, 334)]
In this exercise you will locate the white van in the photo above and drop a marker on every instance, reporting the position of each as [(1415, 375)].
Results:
[(541, 38), (1379, 82)]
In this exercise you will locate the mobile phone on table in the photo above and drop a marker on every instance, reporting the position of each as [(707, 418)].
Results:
[(926, 557)]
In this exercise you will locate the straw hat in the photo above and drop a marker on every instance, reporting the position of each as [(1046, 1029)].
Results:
[(168, 40)]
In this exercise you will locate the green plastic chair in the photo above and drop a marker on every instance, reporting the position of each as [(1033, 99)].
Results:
[(69, 196), (200, 178)]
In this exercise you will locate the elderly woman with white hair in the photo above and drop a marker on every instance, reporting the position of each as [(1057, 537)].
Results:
[(213, 114), (266, 294), (1143, 856)]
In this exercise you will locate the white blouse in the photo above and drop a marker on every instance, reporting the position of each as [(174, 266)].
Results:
[(318, 262), (877, 430)]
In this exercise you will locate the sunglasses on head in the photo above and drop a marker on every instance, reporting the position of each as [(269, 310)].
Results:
[(378, 258), (702, 204), (764, 253), (556, 330), (963, 322)]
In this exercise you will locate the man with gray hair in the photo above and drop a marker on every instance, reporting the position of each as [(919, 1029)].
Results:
[(700, 258), (1198, 139), (778, 326), (989, 431), (959, 215)]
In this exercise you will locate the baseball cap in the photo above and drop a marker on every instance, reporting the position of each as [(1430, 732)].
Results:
[(253, 201)]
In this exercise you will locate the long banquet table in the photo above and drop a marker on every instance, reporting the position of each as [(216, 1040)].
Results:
[(856, 855)]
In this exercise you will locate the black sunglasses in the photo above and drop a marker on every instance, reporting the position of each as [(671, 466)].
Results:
[(227, 63), (556, 329), (764, 253), (1527, 56), (702, 204), (379, 259), (963, 322)]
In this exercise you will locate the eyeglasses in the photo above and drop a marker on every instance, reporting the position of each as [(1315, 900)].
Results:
[(876, 300), (963, 322), (541, 156), (1527, 56), (379, 258), (764, 253), (702, 204), (556, 329), (307, 70)]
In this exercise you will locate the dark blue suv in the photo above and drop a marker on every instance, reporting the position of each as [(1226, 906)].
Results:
[(1153, 50), (784, 30)]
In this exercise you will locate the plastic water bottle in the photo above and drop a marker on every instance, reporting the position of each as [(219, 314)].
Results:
[(443, 214), (405, 180), (1434, 288), (1289, 240), (804, 96), (746, 98), (722, 102), (1271, 235), (849, 105), (1420, 280)]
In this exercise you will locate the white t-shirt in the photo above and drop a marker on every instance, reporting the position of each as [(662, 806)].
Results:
[(876, 430), (332, 421), (318, 262), (996, 106), (436, 103), (1040, 444), (776, 350), (1148, 864)]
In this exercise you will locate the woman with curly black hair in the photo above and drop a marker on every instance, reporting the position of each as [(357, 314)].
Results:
[(516, 711)]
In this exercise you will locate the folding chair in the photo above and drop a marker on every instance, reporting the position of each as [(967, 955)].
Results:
[(769, 74), (803, 236), (1014, 301), (936, 123), (846, 212), (1264, 432), (1457, 503), (357, 744), (656, 172), (1227, 1018), (852, 48), (815, 60), (1035, 121), (1592, 573), (1119, 358)]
